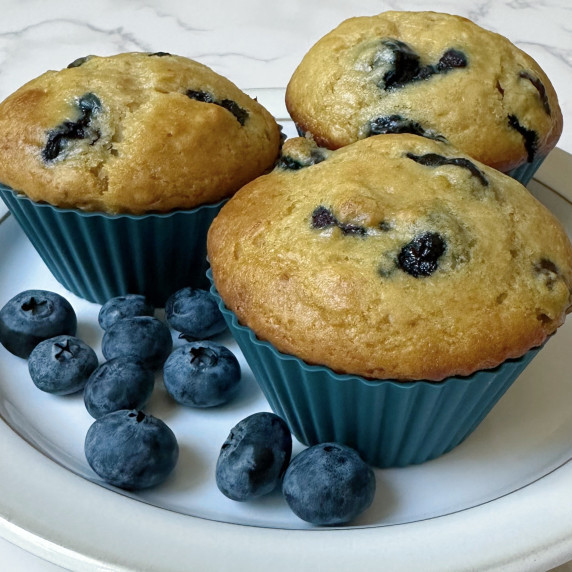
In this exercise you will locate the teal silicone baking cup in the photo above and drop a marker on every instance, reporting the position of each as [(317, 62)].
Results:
[(525, 172), (390, 423), (98, 256)]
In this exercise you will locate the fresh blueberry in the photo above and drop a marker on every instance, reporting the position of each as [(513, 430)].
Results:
[(120, 383), (254, 457), (202, 374), (328, 484), (420, 257), (194, 313), (121, 307), (61, 365), (131, 450), (33, 316), (144, 337)]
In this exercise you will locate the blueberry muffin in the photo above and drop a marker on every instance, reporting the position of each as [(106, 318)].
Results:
[(133, 133), (433, 74), (115, 167), (397, 243), (388, 295)]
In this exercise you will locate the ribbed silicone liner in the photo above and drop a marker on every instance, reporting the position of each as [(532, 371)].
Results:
[(525, 172), (98, 256), (391, 424)]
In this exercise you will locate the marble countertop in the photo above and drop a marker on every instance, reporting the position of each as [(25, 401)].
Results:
[(255, 43)]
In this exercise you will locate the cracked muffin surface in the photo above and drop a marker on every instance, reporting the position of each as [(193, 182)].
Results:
[(133, 133), (428, 73), (396, 257)]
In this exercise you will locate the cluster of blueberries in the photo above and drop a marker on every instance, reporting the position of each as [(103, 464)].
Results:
[(325, 484)]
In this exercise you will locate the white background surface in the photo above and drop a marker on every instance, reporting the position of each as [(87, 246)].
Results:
[(256, 43)]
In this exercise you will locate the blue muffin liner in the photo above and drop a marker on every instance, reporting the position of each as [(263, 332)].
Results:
[(524, 173), (98, 256), (390, 423)]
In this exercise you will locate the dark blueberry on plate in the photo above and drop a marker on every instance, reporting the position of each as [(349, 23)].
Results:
[(254, 457), (144, 337), (33, 316), (121, 383), (121, 307), (202, 374), (131, 450), (194, 313), (61, 365), (328, 484)]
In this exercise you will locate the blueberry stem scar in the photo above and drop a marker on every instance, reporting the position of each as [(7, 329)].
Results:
[(32, 305), (202, 356), (64, 349)]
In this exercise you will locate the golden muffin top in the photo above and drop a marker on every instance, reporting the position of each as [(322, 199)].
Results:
[(433, 74), (133, 133)]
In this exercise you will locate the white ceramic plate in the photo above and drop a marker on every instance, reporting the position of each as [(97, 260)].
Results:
[(499, 500)]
